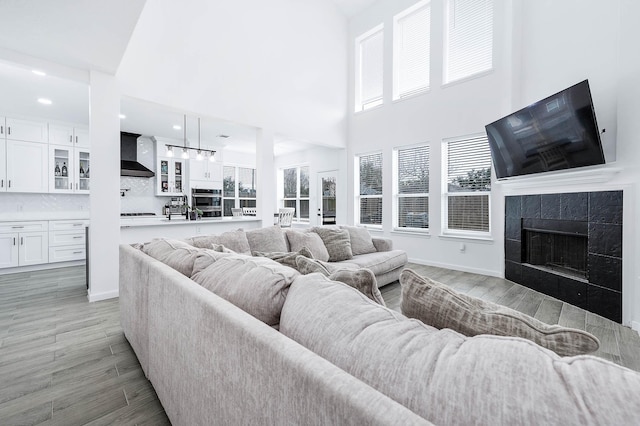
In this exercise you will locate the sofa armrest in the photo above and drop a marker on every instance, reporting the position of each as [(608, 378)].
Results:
[(382, 244)]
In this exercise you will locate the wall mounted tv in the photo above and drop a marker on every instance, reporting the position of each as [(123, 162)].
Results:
[(556, 133)]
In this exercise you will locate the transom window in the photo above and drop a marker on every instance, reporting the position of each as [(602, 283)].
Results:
[(370, 189), (411, 50), (369, 64), (412, 187)]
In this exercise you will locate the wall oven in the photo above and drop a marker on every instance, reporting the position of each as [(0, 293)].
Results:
[(207, 200)]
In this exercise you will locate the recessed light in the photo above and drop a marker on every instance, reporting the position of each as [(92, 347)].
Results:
[(45, 101), (177, 127), (38, 72), (122, 116)]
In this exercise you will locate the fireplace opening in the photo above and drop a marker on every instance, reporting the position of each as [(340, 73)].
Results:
[(557, 252)]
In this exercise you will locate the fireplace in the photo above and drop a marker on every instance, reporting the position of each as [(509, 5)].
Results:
[(568, 246)]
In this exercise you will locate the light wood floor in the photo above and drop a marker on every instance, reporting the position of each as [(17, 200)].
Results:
[(65, 361)]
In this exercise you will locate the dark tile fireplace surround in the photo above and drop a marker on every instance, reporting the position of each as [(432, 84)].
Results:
[(568, 246)]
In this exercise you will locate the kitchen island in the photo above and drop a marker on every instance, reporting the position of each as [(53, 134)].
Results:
[(141, 229)]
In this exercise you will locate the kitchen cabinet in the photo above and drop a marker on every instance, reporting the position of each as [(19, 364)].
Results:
[(69, 169), (67, 240), (26, 167), (170, 174), (23, 243), (3, 165), (205, 174), (60, 134), (24, 130)]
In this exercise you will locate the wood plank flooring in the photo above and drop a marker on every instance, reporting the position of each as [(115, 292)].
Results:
[(65, 361), (617, 343)]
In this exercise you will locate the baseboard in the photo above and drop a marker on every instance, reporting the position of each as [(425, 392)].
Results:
[(457, 268), (96, 297)]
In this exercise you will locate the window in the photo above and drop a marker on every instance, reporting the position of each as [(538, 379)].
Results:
[(411, 50), (370, 192), (468, 185), (238, 188), (296, 191), (412, 187), (369, 60), (468, 38)]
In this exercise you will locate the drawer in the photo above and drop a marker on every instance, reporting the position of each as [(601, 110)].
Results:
[(65, 238), (66, 253), (6, 227), (66, 225)]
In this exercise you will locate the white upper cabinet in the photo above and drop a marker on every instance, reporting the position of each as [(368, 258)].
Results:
[(60, 134), (69, 169), (3, 165), (25, 130), (205, 174), (27, 166)]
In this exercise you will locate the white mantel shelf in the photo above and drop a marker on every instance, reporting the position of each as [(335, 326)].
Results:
[(572, 177)]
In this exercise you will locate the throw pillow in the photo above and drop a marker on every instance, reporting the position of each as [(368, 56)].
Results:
[(254, 284), (174, 253), (286, 258), (220, 248), (361, 242), (306, 266), (233, 240), (337, 243), (362, 280), (310, 240), (206, 257), (270, 239), (442, 307)]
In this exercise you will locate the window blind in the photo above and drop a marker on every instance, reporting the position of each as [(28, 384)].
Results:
[(412, 43), (371, 63), (413, 170), (468, 38)]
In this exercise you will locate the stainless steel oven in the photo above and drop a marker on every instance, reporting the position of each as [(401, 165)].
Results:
[(207, 200)]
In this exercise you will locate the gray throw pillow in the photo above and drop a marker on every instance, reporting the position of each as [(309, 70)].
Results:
[(266, 240), (336, 241), (440, 306), (233, 240), (286, 258), (361, 242), (306, 266), (206, 257), (310, 240), (362, 280), (174, 253)]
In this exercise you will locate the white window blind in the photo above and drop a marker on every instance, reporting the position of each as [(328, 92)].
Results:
[(412, 50), (412, 187), (369, 75), (370, 196), (468, 184), (468, 38)]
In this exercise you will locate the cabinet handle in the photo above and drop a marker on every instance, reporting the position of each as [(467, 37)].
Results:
[(76, 186), (77, 224), (1, 130), (17, 227), (2, 183), (9, 130), (78, 237), (14, 241), (71, 138), (77, 252), (21, 241), (9, 183), (76, 139)]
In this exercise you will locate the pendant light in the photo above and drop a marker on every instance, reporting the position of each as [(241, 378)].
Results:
[(199, 155), (185, 152)]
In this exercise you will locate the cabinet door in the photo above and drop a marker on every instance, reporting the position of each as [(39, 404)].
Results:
[(82, 170), (60, 134), (61, 168), (27, 167), (34, 248), (170, 176), (198, 170), (3, 165), (81, 137), (8, 250), (215, 172), (27, 130)]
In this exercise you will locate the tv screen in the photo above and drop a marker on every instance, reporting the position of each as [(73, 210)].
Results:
[(556, 133)]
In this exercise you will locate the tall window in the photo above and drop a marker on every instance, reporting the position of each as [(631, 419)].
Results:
[(468, 185), (468, 38), (238, 188), (369, 61), (296, 191), (412, 187), (370, 193), (411, 50)]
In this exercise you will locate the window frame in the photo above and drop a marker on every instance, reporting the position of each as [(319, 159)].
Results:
[(360, 104), (237, 199), (359, 197), (397, 52), (397, 196), (298, 198), (446, 194)]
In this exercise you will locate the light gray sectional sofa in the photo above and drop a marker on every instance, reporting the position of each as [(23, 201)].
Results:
[(204, 325)]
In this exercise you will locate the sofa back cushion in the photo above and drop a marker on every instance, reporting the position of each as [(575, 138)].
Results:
[(451, 379), (256, 285), (233, 240), (266, 240), (336, 241), (442, 307), (174, 253), (361, 241), (310, 240)]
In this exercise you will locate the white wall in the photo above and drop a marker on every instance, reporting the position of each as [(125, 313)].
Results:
[(278, 65)]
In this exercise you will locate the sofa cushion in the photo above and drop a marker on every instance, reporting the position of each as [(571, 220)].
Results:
[(233, 240), (286, 258), (306, 266), (256, 285), (380, 262), (270, 239), (361, 242), (442, 307), (451, 379), (310, 240), (336, 241), (174, 253), (362, 280), (206, 257)]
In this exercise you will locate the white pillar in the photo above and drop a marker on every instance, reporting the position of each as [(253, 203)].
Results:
[(266, 174), (104, 231)]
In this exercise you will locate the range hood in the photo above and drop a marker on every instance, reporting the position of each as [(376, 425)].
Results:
[(129, 165)]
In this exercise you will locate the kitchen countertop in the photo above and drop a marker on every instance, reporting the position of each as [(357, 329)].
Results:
[(127, 222)]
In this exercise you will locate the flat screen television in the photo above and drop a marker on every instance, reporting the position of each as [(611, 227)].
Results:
[(556, 133)]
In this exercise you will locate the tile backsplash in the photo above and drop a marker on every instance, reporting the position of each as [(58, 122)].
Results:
[(140, 196), (35, 203)]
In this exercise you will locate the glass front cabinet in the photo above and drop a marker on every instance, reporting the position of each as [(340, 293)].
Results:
[(170, 176), (69, 169)]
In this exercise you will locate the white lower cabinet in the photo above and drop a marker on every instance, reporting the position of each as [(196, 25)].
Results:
[(67, 240), (24, 243)]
